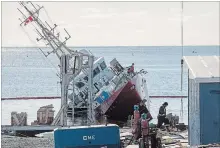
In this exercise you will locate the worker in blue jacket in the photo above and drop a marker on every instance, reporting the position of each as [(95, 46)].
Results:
[(162, 115)]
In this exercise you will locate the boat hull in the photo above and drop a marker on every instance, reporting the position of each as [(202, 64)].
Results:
[(121, 103)]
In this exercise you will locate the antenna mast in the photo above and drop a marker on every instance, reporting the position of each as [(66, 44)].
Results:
[(71, 64)]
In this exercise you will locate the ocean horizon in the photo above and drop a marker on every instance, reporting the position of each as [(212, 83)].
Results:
[(27, 73)]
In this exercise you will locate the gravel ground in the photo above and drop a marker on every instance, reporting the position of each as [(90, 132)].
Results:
[(23, 142), (32, 142)]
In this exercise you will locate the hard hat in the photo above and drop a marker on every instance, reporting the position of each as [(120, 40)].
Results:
[(136, 107)]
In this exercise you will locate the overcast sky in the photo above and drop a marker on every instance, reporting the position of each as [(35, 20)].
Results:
[(121, 23)]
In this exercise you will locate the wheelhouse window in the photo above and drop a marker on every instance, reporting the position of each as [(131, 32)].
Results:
[(80, 84), (96, 71), (103, 65)]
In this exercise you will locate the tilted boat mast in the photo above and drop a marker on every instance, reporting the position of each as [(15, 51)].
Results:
[(71, 62)]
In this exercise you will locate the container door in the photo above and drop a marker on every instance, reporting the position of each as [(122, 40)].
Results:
[(210, 112)]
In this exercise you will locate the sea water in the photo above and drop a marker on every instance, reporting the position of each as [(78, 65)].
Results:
[(27, 73)]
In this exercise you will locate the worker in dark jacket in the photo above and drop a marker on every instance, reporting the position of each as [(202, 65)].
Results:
[(143, 109), (162, 115)]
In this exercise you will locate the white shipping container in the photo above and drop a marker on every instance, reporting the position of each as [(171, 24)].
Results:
[(203, 99)]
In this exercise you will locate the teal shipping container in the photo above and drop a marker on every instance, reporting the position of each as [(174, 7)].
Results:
[(95, 136)]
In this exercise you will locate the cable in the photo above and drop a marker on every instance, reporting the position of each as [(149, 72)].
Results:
[(33, 42), (51, 21), (55, 67)]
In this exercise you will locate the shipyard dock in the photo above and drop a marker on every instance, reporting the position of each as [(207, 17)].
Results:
[(48, 141), (203, 103)]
